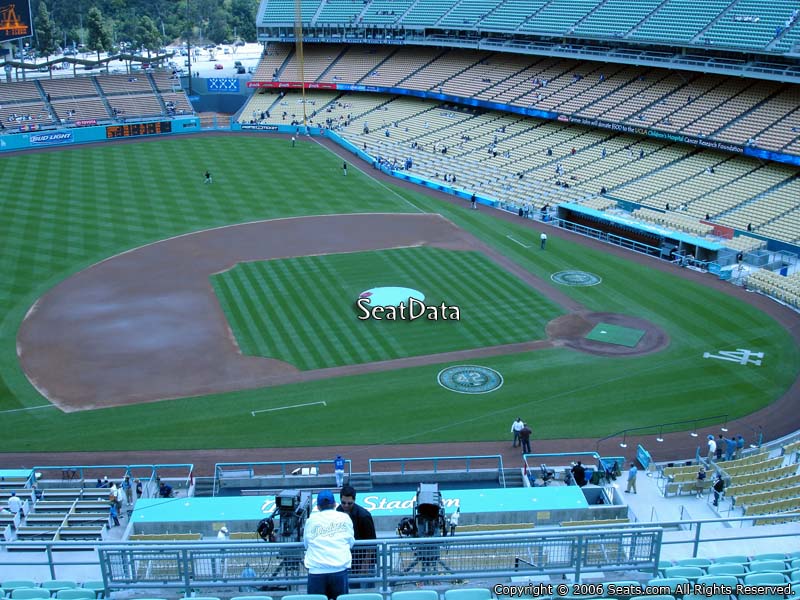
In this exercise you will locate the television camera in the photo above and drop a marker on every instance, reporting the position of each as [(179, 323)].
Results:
[(428, 520), (292, 507)]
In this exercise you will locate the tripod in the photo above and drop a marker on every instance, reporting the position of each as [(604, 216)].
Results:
[(428, 556)]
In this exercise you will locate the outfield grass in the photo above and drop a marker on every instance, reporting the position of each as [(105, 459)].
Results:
[(69, 209), (301, 310)]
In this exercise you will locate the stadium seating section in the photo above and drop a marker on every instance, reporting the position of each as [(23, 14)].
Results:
[(738, 25), (103, 98)]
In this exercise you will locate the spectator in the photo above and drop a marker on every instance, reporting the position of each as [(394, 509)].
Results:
[(699, 482), (631, 487), (363, 529), (516, 427), (525, 438), (579, 474), (328, 537)]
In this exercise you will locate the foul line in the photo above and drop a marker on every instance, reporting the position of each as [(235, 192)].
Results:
[(518, 242), (29, 408), (380, 183), (254, 412)]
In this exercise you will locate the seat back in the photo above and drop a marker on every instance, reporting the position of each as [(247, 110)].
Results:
[(670, 582), (76, 594), (415, 595), (726, 569), (467, 594), (773, 566), (360, 596), (59, 584), (688, 572), (13, 584), (764, 579), (29, 593)]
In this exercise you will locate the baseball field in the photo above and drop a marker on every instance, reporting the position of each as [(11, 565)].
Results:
[(145, 310)]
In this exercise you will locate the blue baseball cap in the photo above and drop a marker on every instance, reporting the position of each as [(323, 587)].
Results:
[(325, 500)]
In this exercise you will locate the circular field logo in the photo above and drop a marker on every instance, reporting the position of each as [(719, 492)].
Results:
[(575, 278), (391, 296), (470, 379)]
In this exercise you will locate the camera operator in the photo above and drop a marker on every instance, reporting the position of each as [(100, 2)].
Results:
[(579, 474), (363, 529), (328, 538)]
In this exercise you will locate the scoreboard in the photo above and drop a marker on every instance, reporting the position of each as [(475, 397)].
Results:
[(131, 129)]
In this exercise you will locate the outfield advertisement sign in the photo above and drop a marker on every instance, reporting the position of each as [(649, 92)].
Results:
[(258, 127), (51, 138), (309, 85)]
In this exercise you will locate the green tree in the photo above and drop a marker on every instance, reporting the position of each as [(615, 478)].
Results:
[(46, 40), (99, 38), (147, 35)]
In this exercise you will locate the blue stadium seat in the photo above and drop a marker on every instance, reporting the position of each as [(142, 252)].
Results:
[(768, 566), (735, 558), (13, 584), (765, 579), (257, 597), (56, 585), (98, 587), (468, 594), (690, 573), (29, 593), (76, 594), (694, 562), (769, 556), (655, 597), (416, 595), (671, 582), (727, 569), (360, 596), (305, 597)]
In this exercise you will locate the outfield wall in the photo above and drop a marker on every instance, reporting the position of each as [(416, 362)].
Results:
[(98, 133)]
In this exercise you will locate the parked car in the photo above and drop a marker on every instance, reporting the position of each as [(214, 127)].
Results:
[(218, 66)]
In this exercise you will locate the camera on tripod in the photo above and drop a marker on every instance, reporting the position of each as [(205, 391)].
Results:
[(292, 508), (428, 517)]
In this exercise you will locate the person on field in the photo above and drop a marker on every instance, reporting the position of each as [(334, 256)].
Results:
[(525, 438), (516, 427)]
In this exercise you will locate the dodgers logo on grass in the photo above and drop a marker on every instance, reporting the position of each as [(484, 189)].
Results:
[(576, 278), (470, 379)]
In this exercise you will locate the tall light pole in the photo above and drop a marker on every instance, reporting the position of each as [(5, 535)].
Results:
[(189, 46)]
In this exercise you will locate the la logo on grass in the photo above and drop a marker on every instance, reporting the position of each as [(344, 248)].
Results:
[(740, 355)]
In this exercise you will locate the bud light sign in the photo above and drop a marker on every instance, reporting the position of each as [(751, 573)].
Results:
[(46, 139)]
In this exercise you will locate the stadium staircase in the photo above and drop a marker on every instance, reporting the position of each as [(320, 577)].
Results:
[(532, 16), (752, 108), (204, 487), (157, 94), (361, 481), (47, 103), (285, 62), (430, 62), (103, 96), (513, 478), (315, 16), (696, 39), (586, 16), (756, 198), (787, 32), (338, 57), (645, 19)]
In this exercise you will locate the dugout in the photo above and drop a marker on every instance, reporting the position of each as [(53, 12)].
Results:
[(648, 238)]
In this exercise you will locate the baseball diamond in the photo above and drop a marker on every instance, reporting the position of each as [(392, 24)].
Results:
[(133, 320)]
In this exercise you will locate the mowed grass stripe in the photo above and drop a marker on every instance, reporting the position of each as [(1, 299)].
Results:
[(248, 312), (294, 305), (315, 314), (366, 344), (281, 337), (276, 337)]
